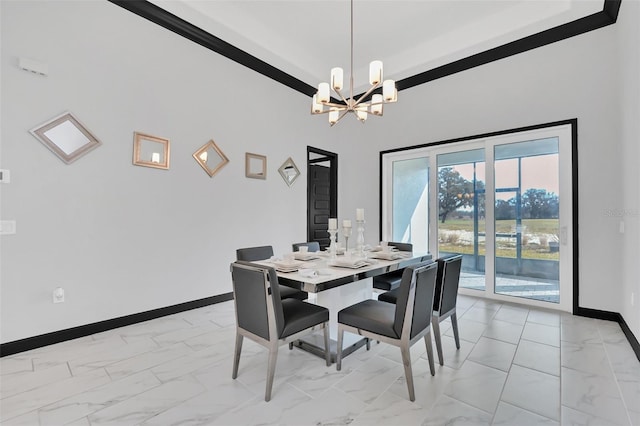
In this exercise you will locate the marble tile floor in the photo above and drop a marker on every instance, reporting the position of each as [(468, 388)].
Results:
[(516, 366), (518, 286)]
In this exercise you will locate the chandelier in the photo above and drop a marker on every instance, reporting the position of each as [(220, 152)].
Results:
[(361, 107)]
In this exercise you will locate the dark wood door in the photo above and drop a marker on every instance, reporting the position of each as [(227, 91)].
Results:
[(319, 204), (321, 194)]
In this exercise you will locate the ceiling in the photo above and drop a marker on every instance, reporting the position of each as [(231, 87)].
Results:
[(306, 38)]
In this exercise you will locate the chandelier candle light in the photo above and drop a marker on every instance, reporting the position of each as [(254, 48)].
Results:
[(361, 107)]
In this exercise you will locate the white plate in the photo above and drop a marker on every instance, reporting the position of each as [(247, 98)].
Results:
[(388, 255), (348, 263), (306, 256), (339, 251), (288, 264)]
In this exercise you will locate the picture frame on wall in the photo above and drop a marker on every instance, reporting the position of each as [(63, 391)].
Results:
[(150, 151), (255, 166), (211, 158)]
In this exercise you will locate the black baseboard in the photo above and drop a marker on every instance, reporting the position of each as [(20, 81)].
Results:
[(612, 316), (29, 343)]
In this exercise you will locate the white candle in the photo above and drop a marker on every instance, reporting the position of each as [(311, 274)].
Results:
[(323, 93), (155, 157), (375, 72), (333, 223), (359, 214), (337, 78), (346, 223)]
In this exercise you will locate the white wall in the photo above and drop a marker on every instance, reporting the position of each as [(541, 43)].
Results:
[(123, 239), (120, 238), (629, 204)]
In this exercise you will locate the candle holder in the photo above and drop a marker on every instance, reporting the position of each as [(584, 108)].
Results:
[(346, 230), (360, 240), (332, 238)]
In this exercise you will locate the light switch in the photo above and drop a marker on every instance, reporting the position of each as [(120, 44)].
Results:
[(5, 176), (7, 227), (621, 228)]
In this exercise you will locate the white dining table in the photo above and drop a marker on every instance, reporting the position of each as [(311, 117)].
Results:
[(338, 287)]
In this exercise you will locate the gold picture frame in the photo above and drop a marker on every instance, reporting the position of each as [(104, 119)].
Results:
[(255, 166), (150, 151), (211, 158), (66, 137)]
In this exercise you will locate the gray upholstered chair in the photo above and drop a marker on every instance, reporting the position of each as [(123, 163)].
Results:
[(444, 302), (391, 280), (446, 296), (402, 324), (252, 254), (312, 246), (262, 316)]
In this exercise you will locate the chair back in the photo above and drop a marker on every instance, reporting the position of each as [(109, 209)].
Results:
[(447, 283), (402, 246), (251, 254), (415, 298), (256, 295), (312, 246)]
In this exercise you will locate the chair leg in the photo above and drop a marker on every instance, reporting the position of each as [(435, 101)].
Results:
[(290, 346), (327, 347), (435, 324), (339, 354), (368, 343), (236, 355), (427, 341), (454, 324), (406, 361), (271, 370)]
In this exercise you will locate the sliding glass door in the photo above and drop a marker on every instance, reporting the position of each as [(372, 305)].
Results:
[(461, 212), (526, 215), (503, 202)]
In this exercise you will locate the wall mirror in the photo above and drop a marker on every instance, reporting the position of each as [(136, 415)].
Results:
[(255, 166), (211, 158), (66, 137), (150, 151), (289, 171)]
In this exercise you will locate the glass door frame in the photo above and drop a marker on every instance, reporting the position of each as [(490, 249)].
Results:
[(386, 190), (566, 132)]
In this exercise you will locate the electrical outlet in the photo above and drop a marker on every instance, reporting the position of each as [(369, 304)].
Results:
[(7, 227), (58, 295), (5, 176)]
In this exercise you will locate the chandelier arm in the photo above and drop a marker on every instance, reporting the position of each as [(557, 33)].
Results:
[(326, 111), (351, 70), (339, 118), (341, 97), (367, 93), (334, 105)]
